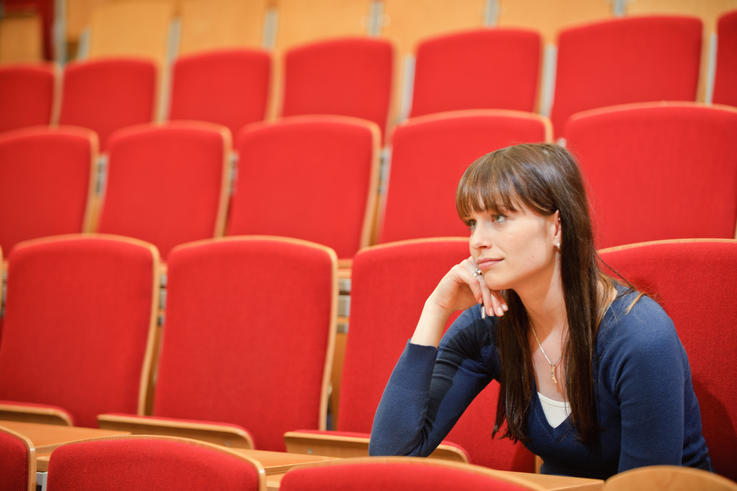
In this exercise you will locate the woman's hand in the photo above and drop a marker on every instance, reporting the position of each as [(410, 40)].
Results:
[(460, 288)]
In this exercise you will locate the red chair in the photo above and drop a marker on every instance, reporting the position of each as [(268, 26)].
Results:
[(429, 155), (346, 76), (227, 87), (694, 282), (400, 473), (107, 94), (630, 59), (167, 184), (247, 343), (725, 81), (652, 170), (78, 331), (484, 68), (26, 95), (47, 182), (389, 286), (312, 178), (145, 462), (17, 462)]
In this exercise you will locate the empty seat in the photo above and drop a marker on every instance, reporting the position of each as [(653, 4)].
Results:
[(477, 69), (389, 286), (725, 81), (704, 317), (657, 170), (400, 473), (247, 342), (345, 76), (79, 320), (108, 94), (26, 95), (227, 87), (631, 59), (429, 155), (17, 462), (47, 182), (141, 462), (167, 184), (312, 178)]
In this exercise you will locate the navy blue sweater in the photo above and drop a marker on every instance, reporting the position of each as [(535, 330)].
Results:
[(645, 403)]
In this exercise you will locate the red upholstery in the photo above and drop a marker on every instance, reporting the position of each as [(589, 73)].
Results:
[(346, 76), (307, 177), (123, 464), (694, 282), (26, 95), (227, 87), (484, 68), (46, 178), (166, 183), (630, 59), (16, 456), (78, 316), (396, 474), (389, 286), (725, 81), (429, 155), (658, 171), (247, 334), (107, 94)]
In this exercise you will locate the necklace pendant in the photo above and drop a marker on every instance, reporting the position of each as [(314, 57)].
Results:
[(552, 374)]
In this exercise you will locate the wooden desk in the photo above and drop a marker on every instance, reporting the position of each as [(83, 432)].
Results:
[(45, 437)]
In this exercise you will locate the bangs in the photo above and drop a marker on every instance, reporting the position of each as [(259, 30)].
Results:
[(487, 188)]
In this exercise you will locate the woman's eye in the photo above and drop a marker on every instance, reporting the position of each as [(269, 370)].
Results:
[(471, 224), (498, 218)]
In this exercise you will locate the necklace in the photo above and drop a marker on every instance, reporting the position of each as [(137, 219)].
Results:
[(553, 366)]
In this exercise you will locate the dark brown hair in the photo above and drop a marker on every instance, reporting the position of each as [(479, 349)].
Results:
[(546, 179)]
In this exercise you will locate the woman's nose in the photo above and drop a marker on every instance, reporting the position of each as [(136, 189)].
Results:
[(480, 237)]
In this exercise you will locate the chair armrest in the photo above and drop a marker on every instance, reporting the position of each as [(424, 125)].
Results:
[(349, 444), (220, 434), (35, 413)]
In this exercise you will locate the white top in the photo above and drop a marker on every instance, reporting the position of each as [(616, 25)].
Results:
[(555, 411)]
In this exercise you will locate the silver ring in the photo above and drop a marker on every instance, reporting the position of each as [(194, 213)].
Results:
[(477, 272)]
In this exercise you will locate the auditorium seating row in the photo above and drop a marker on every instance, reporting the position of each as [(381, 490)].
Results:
[(653, 171), (249, 331), (617, 61)]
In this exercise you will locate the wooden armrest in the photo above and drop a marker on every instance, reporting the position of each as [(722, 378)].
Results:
[(332, 444), (225, 435), (35, 414)]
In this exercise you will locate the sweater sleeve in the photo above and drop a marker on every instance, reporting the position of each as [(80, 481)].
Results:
[(650, 387), (430, 388)]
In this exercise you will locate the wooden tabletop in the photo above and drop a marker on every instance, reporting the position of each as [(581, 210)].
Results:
[(47, 437)]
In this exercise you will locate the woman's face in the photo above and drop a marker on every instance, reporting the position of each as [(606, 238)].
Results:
[(516, 249)]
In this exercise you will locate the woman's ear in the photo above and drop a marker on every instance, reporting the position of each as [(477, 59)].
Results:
[(556, 228)]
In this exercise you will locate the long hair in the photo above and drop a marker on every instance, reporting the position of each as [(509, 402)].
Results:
[(546, 179)]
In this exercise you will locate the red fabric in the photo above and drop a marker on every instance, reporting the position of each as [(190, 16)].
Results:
[(44, 182), (725, 81), (13, 463), (694, 282), (147, 463), (228, 87), (306, 177), (26, 95), (245, 340), (429, 156), (165, 182), (77, 317), (629, 59), (347, 76), (484, 68), (108, 94), (658, 171), (389, 285), (392, 476)]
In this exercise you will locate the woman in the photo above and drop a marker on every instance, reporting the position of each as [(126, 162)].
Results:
[(593, 377)]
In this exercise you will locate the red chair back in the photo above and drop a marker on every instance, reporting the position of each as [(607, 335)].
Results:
[(694, 282), (485, 68), (26, 95), (725, 80), (17, 462)]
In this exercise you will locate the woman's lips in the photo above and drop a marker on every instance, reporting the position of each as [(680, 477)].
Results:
[(488, 263)]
